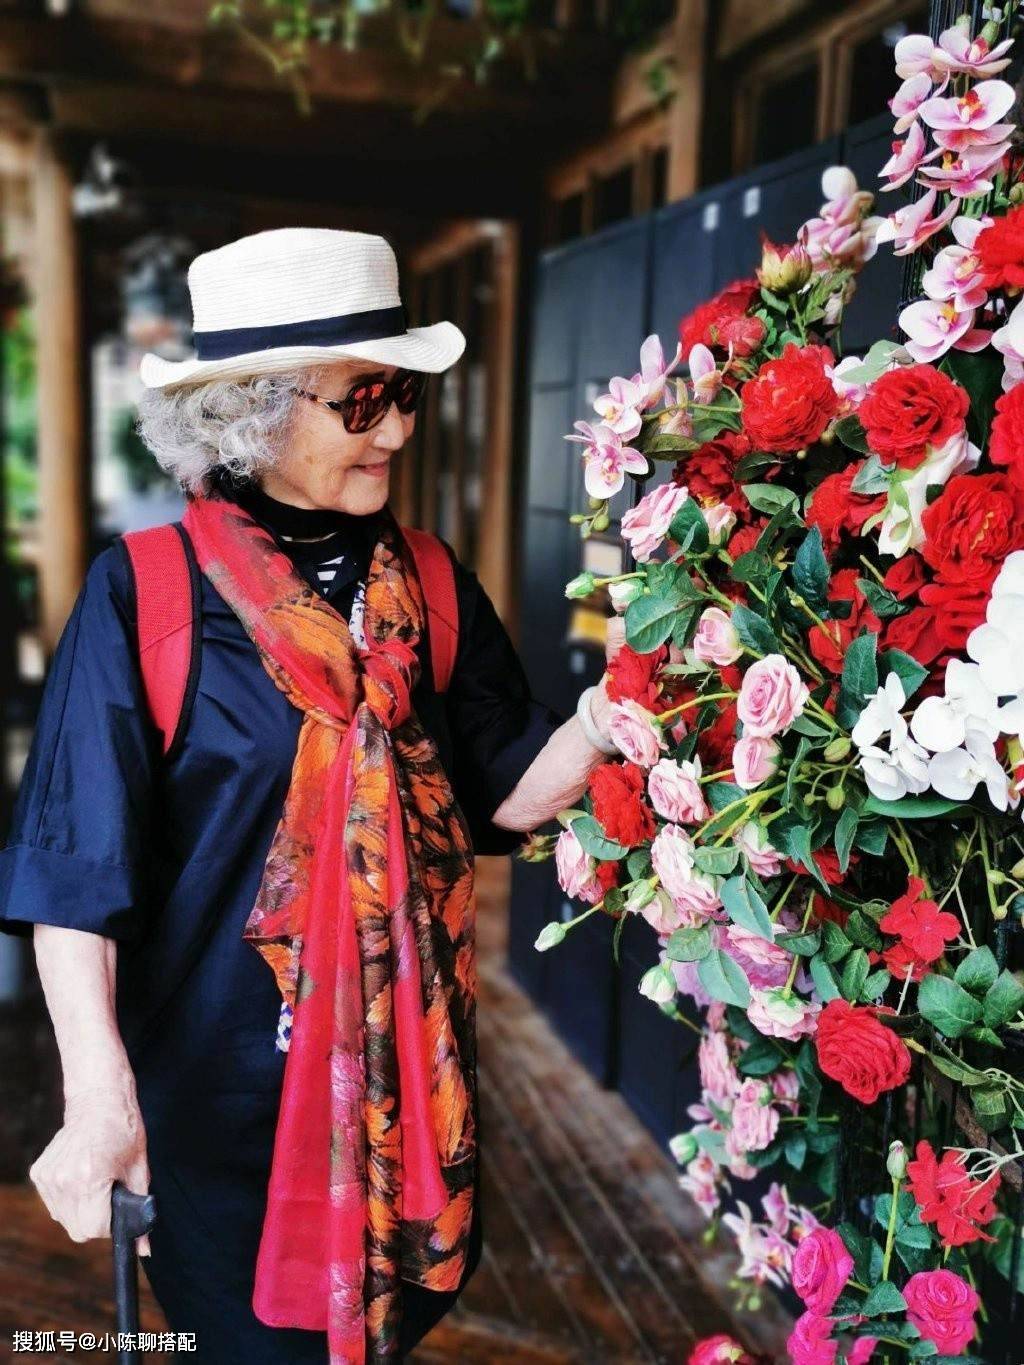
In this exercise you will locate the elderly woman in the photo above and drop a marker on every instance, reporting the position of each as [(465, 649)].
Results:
[(257, 947)]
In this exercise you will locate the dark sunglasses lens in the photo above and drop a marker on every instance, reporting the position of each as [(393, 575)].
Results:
[(365, 407), (409, 386)]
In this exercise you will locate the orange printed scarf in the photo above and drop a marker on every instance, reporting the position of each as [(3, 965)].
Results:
[(365, 914)]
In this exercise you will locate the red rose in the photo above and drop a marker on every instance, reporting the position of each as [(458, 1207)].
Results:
[(856, 1049), (956, 608), (722, 321), (909, 409), (835, 507), (634, 677), (971, 527), (958, 1206), (617, 791), (828, 644), (744, 540), (715, 744), (1006, 439), (942, 1306), (906, 577), (1000, 249), (790, 401), (923, 931), (916, 634), (607, 874), (709, 473)]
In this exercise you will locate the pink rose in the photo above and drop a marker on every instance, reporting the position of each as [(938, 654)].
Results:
[(674, 789), (646, 525), (752, 841), (720, 521), (718, 1077), (821, 1267), (575, 869), (777, 1015), (635, 732), (942, 1306), (688, 982), (861, 1351), (662, 913), (771, 697), (672, 858), (754, 1119), (716, 641), (754, 759), (765, 964), (809, 1343), (698, 899), (719, 1350)]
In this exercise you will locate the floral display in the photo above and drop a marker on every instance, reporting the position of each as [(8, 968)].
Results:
[(819, 710)]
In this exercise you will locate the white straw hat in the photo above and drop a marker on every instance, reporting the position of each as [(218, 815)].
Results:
[(300, 296)]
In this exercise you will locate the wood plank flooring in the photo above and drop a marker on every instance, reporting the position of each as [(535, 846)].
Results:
[(592, 1255)]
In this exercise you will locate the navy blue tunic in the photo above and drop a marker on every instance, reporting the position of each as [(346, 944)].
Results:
[(166, 856)]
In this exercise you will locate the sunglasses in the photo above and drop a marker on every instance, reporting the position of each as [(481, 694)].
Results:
[(366, 403)]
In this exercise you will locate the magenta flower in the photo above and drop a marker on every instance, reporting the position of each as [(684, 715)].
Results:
[(981, 107), (964, 173), (810, 1342), (907, 157), (912, 225), (607, 461), (821, 1267)]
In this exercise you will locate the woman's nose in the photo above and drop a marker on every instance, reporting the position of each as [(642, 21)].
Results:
[(390, 434)]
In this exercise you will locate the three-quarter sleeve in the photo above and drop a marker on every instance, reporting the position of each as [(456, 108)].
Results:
[(76, 850), (498, 727)]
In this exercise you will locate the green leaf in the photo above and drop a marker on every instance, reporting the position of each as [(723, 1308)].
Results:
[(760, 1058), (982, 1034), (810, 571), (717, 862), (910, 1231), (803, 725), (861, 930), (882, 602), (754, 631), (846, 829), (746, 908), (595, 841), (1003, 1001), (724, 979), (884, 1298), (911, 807), (872, 836), (638, 864), (649, 621), (804, 945), (824, 980), (722, 794), (796, 1151), (768, 497), (689, 529), (859, 679), (690, 944), (908, 670), (981, 375), (750, 568), (851, 433), (989, 1104), (978, 971), (876, 984), (837, 945), (947, 1005), (855, 973)]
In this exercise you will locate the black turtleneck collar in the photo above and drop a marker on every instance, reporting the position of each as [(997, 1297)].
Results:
[(285, 519)]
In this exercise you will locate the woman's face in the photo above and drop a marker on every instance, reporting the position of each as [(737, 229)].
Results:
[(322, 464)]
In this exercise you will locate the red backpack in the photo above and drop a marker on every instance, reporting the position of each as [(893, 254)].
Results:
[(167, 597)]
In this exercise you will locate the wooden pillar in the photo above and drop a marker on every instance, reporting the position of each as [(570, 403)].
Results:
[(686, 112), (497, 534), (62, 511)]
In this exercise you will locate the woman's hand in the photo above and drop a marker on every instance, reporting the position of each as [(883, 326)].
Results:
[(102, 1140)]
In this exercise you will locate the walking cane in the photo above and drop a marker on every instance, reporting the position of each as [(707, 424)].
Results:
[(130, 1216)]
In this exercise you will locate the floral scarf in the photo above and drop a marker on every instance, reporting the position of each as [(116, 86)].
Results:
[(365, 913)]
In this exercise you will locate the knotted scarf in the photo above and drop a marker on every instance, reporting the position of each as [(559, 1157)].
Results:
[(365, 914)]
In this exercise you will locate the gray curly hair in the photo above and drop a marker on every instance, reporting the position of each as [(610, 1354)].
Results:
[(238, 424)]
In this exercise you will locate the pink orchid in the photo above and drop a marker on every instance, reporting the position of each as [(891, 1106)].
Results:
[(908, 99), (916, 55), (704, 374), (963, 174), (606, 459), (1009, 341), (619, 407), (700, 1182), (777, 1208), (956, 271), (935, 327), (841, 235), (981, 107), (955, 139), (958, 51), (906, 157), (654, 370), (764, 1255), (913, 224)]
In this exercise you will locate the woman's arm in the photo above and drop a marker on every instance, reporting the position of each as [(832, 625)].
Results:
[(102, 1138), (559, 773)]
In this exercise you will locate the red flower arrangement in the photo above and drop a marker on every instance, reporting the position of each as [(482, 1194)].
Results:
[(617, 791), (923, 931), (856, 1049), (790, 401), (910, 410), (724, 323), (960, 1208), (1000, 250)]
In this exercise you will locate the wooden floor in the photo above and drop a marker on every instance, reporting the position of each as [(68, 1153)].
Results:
[(592, 1254)]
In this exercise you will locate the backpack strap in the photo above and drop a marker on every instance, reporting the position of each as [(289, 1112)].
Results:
[(437, 582), (167, 615)]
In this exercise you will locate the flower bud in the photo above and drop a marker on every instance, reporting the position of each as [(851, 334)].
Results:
[(625, 592), (784, 269), (683, 1148), (550, 936), (835, 798), (641, 894), (537, 848), (896, 1161), (601, 522), (1016, 194), (1017, 870), (837, 750), (994, 877), (658, 984), (581, 586)]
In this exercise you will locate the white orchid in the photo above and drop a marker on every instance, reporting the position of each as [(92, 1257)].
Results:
[(901, 768), (969, 707), (998, 645), (956, 773)]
